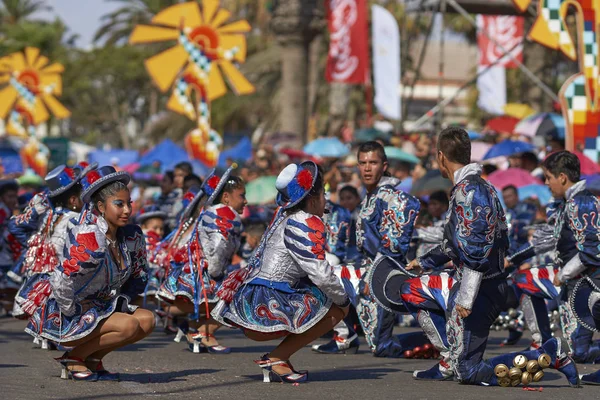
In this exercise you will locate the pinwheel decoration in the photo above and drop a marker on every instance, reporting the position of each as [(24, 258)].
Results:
[(27, 98), (579, 95), (195, 67)]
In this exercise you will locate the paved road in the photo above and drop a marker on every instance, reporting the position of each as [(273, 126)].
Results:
[(158, 367)]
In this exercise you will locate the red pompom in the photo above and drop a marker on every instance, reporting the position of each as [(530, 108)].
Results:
[(305, 179), (213, 182), (92, 176), (70, 173), (409, 354), (189, 196)]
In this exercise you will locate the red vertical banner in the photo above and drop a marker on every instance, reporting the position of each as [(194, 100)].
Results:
[(507, 31), (348, 57)]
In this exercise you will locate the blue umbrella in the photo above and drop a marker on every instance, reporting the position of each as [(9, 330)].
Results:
[(327, 147), (508, 148), (540, 192), (474, 135)]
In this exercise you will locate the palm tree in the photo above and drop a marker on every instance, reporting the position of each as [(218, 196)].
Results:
[(118, 25), (14, 11)]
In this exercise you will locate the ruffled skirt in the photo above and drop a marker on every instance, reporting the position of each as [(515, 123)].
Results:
[(266, 306), (182, 284), (48, 321), (34, 292)]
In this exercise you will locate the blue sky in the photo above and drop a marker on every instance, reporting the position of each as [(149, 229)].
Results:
[(81, 16)]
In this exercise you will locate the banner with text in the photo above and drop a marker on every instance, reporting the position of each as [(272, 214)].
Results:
[(348, 57)]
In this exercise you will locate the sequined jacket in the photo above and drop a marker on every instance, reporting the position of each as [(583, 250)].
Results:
[(35, 218), (517, 218), (220, 236), (295, 250), (337, 225), (86, 271), (575, 234), (475, 234), (386, 222)]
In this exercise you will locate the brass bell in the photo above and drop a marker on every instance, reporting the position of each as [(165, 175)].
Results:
[(532, 366), (515, 373), (504, 382), (538, 376), (526, 378), (515, 382), (520, 361), (501, 371), (544, 361)]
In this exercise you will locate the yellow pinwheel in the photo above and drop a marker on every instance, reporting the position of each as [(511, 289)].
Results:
[(205, 51), (30, 89)]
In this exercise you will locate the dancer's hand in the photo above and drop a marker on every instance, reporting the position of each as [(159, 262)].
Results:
[(414, 266), (556, 281), (463, 312)]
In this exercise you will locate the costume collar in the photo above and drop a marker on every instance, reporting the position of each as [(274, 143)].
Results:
[(469, 169), (576, 188), (388, 181)]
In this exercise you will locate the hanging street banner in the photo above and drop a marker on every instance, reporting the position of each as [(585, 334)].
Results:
[(507, 31), (386, 62), (492, 89), (348, 57), (495, 35)]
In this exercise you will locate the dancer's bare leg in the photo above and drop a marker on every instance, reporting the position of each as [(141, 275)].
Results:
[(116, 331), (147, 322), (292, 342)]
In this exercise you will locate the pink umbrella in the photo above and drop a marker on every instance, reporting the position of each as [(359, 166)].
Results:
[(512, 176), (131, 168), (588, 167), (478, 150)]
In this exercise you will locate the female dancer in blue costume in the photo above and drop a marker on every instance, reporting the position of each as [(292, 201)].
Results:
[(102, 266), (42, 229), (152, 221), (10, 249), (204, 247), (289, 289)]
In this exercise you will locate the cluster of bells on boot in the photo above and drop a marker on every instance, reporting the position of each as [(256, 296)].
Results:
[(425, 351), (523, 372), (514, 319)]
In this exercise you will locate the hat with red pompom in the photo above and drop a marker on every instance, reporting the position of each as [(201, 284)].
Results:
[(295, 182), (97, 179), (63, 178)]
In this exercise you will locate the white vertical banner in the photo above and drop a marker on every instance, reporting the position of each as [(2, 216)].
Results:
[(386, 62), (492, 89)]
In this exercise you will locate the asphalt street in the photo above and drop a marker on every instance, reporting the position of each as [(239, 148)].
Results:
[(160, 368)]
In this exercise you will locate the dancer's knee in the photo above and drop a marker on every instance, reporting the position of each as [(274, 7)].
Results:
[(130, 327), (146, 319)]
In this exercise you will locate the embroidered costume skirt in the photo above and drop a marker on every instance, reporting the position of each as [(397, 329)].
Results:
[(33, 293), (181, 282), (48, 321), (269, 307)]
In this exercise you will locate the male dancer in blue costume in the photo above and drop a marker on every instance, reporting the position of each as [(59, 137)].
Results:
[(519, 215), (461, 305), (576, 240), (384, 228)]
